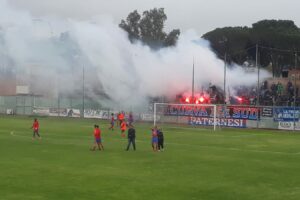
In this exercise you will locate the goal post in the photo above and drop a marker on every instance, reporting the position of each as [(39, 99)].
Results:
[(193, 114)]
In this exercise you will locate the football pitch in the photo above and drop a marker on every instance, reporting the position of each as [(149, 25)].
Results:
[(197, 163)]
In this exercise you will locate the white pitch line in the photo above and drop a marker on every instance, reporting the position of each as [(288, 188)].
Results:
[(191, 128), (231, 149), (216, 135), (4, 131), (248, 135), (237, 149), (194, 145)]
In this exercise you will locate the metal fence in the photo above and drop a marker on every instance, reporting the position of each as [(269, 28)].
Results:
[(236, 116), (27, 104)]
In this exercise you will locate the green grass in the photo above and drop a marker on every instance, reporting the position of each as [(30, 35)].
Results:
[(228, 164)]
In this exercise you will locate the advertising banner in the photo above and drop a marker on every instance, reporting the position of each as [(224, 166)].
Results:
[(267, 112), (62, 112), (186, 110), (73, 113), (289, 125), (41, 111), (100, 114), (288, 114), (147, 117), (235, 112), (205, 121), (242, 112), (9, 111)]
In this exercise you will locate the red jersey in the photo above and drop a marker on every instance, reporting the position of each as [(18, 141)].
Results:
[(154, 133), (122, 117), (123, 126), (112, 119), (35, 125), (97, 133)]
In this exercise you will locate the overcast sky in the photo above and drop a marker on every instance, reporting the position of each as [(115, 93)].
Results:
[(201, 15)]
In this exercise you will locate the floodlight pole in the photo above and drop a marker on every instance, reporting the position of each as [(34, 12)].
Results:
[(225, 65), (83, 92), (193, 81), (258, 89), (295, 97), (58, 96), (257, 67), (58, 104)]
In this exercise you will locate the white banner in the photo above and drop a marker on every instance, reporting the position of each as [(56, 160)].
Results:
[(148, 117), (22, 89), (63, 112), (289, 125), (9, 111), (100, 114), (41, 111), (73, 112)]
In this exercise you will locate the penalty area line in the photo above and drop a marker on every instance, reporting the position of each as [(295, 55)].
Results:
[(236, 149), (234, 136), (224, 148)]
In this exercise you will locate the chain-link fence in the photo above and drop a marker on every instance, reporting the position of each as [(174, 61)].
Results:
[(29, 104), (238, 116)]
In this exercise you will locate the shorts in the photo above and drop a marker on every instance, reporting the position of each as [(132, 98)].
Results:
[(98, 140), (155, 140)]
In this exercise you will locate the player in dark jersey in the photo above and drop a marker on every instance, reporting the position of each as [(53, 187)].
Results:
[(112, 122), (160, 136), (131, 137)]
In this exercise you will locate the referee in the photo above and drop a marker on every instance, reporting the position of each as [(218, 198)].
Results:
[(131, 137), (160, 136)]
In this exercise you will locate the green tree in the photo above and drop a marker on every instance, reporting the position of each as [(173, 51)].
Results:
[(149, 28), (172, 38), (229, 40), (270, 35), (131, 25)]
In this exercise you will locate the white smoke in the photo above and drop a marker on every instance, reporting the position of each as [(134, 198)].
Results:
[(128, 73)]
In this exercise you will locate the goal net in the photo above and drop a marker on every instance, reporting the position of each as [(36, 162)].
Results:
[(188, 114)]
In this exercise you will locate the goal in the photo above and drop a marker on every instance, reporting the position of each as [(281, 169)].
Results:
[(189, 114)]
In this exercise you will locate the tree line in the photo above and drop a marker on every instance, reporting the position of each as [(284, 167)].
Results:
[(278, 40)]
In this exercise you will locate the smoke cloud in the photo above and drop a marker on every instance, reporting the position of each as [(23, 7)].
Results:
[(54, 53)]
